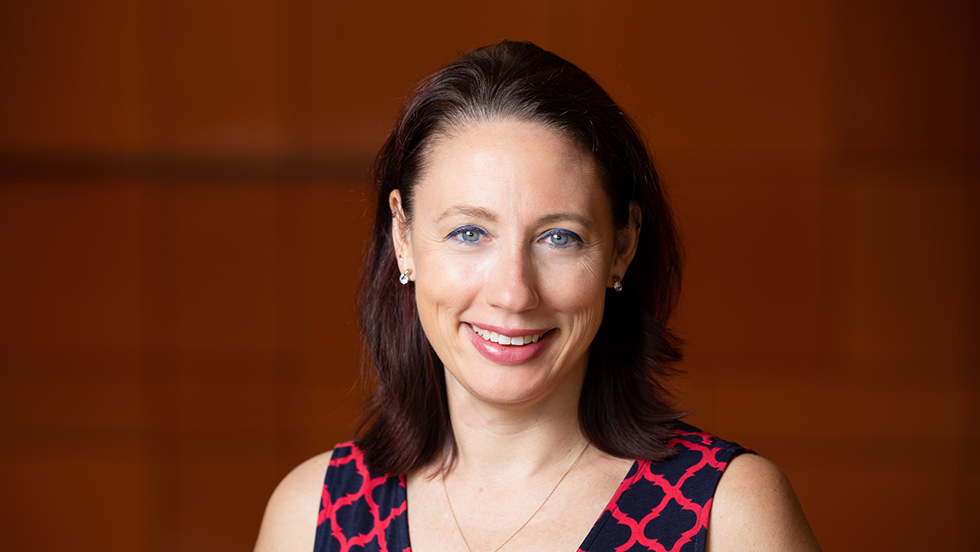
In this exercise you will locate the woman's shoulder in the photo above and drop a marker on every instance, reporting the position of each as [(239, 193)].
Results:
[(750, 501), (755, 508), (290, 516)]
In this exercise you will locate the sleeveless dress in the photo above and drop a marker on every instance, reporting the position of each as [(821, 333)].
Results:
[(662, 507)]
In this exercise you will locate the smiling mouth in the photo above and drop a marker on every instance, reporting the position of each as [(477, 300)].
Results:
[(494, 337)]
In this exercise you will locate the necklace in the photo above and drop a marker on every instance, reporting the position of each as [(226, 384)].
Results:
[(523, 525)]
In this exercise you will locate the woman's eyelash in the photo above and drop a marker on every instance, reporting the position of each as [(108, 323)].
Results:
[(561, 238), (464, 232)]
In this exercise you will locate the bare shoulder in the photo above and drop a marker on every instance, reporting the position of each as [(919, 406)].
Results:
[(755, 508), (289, 523)]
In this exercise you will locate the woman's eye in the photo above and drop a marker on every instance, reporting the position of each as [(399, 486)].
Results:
[(467, 234), (563, 238), (558, 239)]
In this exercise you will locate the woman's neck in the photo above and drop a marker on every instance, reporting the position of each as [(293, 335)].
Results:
[(514, 441)]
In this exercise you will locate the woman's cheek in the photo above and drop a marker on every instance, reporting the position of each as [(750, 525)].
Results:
[(449, 277), (573, 287)]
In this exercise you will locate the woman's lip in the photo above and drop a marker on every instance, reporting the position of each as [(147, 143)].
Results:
[(507, 331), (508, 355)]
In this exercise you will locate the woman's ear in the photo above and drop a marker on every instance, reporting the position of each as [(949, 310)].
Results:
[(627, 240), (400, 232)]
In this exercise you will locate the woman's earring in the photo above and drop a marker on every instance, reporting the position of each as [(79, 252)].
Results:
[(403, 278), (617, 285)]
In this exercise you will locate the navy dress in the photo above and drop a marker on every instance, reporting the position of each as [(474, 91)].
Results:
[(662, 506)]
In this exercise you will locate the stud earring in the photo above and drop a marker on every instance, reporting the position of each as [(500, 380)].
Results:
[(403, 277), (617, 285)]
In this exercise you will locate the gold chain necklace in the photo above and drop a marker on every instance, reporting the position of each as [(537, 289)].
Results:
[(523, 525)]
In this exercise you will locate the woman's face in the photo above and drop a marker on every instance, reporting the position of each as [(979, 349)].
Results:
[(511, 247)]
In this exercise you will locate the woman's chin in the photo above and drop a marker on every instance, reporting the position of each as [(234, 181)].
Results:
[(507, 386)]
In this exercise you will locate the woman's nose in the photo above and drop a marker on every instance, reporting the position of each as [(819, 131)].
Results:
[(511, 284)]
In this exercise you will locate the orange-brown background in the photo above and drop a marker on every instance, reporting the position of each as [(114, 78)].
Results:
[(183, 205)]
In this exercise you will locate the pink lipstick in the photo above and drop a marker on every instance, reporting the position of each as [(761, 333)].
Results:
[(508, 347)]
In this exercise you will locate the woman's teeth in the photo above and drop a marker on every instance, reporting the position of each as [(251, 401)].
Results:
[(505, 340)]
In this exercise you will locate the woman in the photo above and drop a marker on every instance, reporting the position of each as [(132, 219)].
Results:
[(522, 270)]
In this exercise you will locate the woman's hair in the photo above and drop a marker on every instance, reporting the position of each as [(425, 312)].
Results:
[(624, 409)]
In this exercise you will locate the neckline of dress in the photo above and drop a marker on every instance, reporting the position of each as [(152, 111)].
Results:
[(627, 481)]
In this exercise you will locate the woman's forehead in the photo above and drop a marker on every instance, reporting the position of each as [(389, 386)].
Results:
[(496, 150), (508, 165)]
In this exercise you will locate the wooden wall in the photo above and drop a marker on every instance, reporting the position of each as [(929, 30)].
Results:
[(183, 206)]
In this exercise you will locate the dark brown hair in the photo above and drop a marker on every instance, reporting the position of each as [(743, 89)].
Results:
[(624, 408)]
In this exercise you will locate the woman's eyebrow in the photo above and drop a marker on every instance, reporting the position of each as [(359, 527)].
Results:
[(468, 211), (487, 215), (562, 217)]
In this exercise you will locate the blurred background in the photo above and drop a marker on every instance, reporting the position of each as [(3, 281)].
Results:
[(184, 203)]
